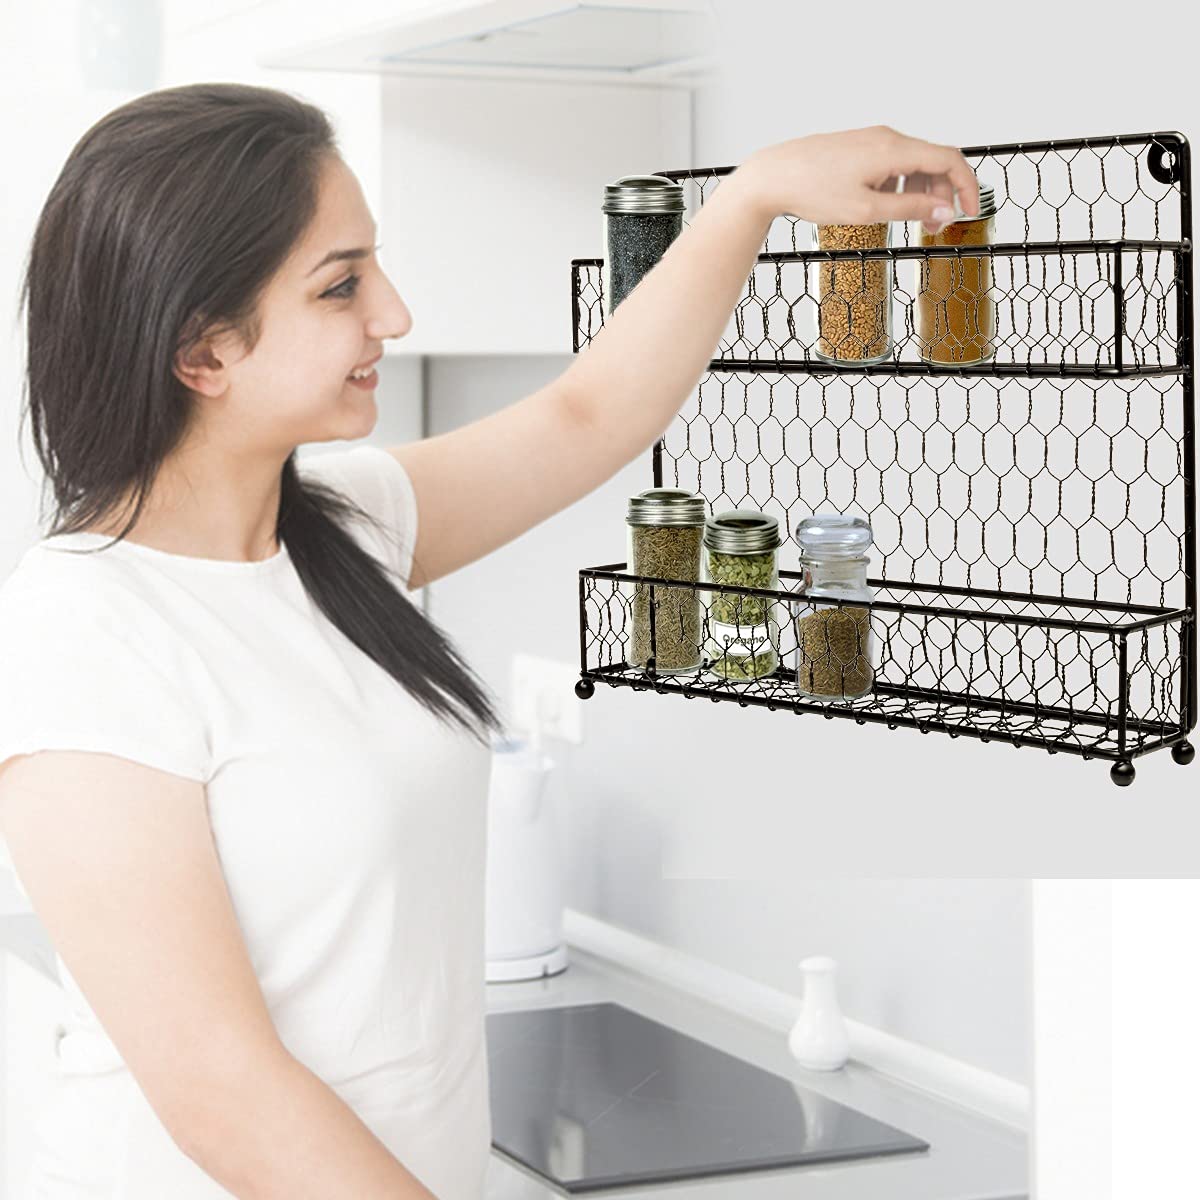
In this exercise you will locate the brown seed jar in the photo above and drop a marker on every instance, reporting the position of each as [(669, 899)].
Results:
[(956, 310), (833, 641), (833, 658), (854, 296)]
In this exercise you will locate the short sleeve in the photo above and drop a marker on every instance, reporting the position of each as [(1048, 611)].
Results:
[(375, 480), (79, 673)]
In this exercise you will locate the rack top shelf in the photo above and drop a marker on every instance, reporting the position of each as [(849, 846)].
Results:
[(1127, 186)]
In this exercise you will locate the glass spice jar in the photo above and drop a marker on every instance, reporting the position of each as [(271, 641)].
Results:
[(743, 653), (643, 215), (834, 645), (742, 548), (665, 527), (854, 295), (956, 308)]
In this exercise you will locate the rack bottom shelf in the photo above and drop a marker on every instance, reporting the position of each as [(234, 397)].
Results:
[(1088, 734)]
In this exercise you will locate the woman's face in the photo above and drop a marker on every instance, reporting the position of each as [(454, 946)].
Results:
[(319, 320)]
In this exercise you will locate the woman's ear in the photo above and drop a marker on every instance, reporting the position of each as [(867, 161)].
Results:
[(201, 363)]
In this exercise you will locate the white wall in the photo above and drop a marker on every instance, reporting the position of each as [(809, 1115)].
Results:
[(1073, 1038), (1118, 1044)]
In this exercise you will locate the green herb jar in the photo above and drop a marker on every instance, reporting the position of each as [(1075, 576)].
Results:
[(741, 653), (741, 548), (665, 528)]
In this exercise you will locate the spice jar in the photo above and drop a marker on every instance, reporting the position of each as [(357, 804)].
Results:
[(833, 655), (956, 310), (742, 548), (665, 527), (854, 295), (743, 653), (643, 215)]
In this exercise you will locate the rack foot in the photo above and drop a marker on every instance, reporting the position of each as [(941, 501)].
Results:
[(585, 689), (1183, 752), (1122, 772)]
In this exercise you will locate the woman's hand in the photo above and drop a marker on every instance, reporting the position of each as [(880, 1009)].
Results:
[(851, 178)]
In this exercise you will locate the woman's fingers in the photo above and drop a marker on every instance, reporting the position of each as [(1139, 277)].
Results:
[(941, 186), (908, 206), (919, 183), (869, 174), (913, 156)]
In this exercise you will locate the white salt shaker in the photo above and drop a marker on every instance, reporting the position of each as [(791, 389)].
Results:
[(818, 1039)]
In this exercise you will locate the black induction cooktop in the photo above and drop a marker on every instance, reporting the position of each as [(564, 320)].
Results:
[(594, 1095)]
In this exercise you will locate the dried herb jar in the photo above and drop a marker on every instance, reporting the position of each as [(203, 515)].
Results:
[(741, 547), (854, 295), (643, 215), (956, 306), (742, 653), (665, 528), (834, 647)]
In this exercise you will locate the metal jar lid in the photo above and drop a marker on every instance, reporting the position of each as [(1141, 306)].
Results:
[(987, 205), (666, 506), (741, 531), (643, 194)]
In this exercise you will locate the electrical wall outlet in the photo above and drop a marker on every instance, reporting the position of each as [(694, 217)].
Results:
[(543, 695)]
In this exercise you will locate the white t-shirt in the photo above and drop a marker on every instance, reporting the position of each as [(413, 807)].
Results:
[(350, 824)]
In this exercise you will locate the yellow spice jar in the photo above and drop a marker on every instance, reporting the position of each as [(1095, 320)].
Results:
[(956, 306)]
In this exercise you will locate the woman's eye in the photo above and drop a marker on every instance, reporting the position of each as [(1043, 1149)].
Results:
[(344, 290)]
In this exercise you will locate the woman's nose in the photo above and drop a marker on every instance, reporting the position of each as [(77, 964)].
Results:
[(392, 320)]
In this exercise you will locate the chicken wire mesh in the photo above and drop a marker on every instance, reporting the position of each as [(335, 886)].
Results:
[(1033, 514)]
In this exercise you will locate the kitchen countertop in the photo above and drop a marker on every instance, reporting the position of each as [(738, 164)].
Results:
[(971, 1157)]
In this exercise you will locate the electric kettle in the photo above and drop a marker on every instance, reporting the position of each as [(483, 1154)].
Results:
[(524, 915)]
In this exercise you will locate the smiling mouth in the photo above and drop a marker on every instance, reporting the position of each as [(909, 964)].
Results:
[(365, 370)]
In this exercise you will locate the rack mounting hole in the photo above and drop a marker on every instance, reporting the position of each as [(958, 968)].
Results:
[(1163, 163)]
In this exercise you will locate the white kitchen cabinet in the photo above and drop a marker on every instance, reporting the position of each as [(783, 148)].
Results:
[(490, 188)]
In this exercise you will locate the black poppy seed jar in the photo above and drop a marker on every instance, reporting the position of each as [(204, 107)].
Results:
[(643, 215)]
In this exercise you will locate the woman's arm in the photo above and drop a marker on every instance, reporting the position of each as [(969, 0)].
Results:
[(482, 485), (285, 1134), (119, 861)]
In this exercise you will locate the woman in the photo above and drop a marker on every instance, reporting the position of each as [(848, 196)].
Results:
[(242, 777)]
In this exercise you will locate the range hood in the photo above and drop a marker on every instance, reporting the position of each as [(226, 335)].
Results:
[(589, 41)]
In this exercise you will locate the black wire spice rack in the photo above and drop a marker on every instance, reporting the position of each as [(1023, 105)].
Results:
[(1034, 515)]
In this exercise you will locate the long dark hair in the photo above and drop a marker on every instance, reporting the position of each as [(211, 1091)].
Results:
[(167, 222)]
